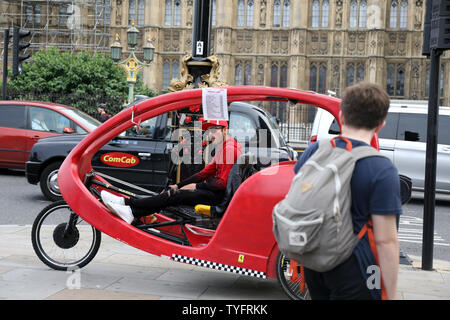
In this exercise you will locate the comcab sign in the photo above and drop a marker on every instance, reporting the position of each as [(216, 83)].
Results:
[(119, 159)]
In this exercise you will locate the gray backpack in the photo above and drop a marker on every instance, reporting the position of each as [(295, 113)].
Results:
[(313, 223)]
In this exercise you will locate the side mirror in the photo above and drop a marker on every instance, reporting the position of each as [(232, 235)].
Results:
[(68, 130)]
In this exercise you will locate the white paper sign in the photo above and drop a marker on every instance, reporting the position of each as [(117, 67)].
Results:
[(199, 48), (214, 103)]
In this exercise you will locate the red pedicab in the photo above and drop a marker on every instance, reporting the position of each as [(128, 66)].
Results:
[(242, 242)]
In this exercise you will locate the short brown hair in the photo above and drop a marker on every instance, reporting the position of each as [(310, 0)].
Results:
[(364, 105)]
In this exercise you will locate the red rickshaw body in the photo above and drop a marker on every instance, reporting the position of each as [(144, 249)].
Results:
[(243, 241)]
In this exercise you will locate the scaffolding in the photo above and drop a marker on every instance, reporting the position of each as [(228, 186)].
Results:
[(70, 25)]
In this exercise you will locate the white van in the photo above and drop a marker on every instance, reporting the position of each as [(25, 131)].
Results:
[(403, 140)]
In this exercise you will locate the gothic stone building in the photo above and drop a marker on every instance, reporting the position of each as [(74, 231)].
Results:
[(317, 45)]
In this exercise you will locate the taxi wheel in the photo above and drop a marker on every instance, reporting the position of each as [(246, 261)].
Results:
[(48, 181), (293, 285)]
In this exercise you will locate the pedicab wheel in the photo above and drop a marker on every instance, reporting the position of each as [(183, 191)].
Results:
[(62, 240), (291, 278)]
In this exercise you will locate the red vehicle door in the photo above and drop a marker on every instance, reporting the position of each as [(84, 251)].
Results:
[(17, 135), (13, 136), (43, 122)]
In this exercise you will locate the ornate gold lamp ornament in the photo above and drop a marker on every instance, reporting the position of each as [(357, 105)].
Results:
[(132, 65)]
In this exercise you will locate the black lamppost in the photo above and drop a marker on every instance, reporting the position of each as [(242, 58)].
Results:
[(199, 69), (201, 36)]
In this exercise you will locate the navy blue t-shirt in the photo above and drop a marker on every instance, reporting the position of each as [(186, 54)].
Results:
[(375, 188)]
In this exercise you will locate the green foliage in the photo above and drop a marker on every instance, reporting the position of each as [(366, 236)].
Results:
[(79, 80)]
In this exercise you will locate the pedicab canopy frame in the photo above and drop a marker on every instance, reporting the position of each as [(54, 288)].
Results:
[(243, 241)]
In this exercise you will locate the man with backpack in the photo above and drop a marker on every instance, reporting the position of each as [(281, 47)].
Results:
[(339, 218)]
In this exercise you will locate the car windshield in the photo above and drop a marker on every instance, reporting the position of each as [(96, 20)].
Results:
[(83, 118)]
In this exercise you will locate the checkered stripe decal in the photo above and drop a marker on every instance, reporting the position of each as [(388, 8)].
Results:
[(218, 266)]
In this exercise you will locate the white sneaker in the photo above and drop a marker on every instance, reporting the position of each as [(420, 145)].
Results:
[(123, 212), (109, 197)]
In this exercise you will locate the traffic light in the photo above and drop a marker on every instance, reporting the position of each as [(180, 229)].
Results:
[(18, 46), (436, 26), (427, 29)]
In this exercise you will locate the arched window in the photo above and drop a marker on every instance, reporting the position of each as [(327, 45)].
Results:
[(355, 73), (363, 14), (390, 81), (393, 14), (360, 73), (350, 79), (243, 73), (322, 78), (325, 13), (403, 14), (353, 13), (238, 75), (358, 14), (175, 69), (168, 13), (278, 78), (395, 82), (315, 14), (320, 13), (141, 13), (248, 73), (131, 11), (400, 86), (276, 13), (313, 78), (166, 74), (177, 13), (172, 16), (245, 13), (240, 13), (286, 13), (213, 18), (136, 12), (318, 77), (171, 68), (283, 75), (250, 7)]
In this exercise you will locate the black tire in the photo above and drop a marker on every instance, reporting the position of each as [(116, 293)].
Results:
[(50, 239), (48, 183), (291, 288)]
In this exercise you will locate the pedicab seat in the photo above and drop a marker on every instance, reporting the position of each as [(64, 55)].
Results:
[(245, 166)]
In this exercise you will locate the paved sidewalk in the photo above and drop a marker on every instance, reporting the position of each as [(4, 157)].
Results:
[(122, 272)]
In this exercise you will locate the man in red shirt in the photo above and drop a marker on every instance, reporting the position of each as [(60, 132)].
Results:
[(205, 187)]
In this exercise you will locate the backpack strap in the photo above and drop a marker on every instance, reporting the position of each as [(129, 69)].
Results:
[(294, 268), (368, 228), (364, 152)]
